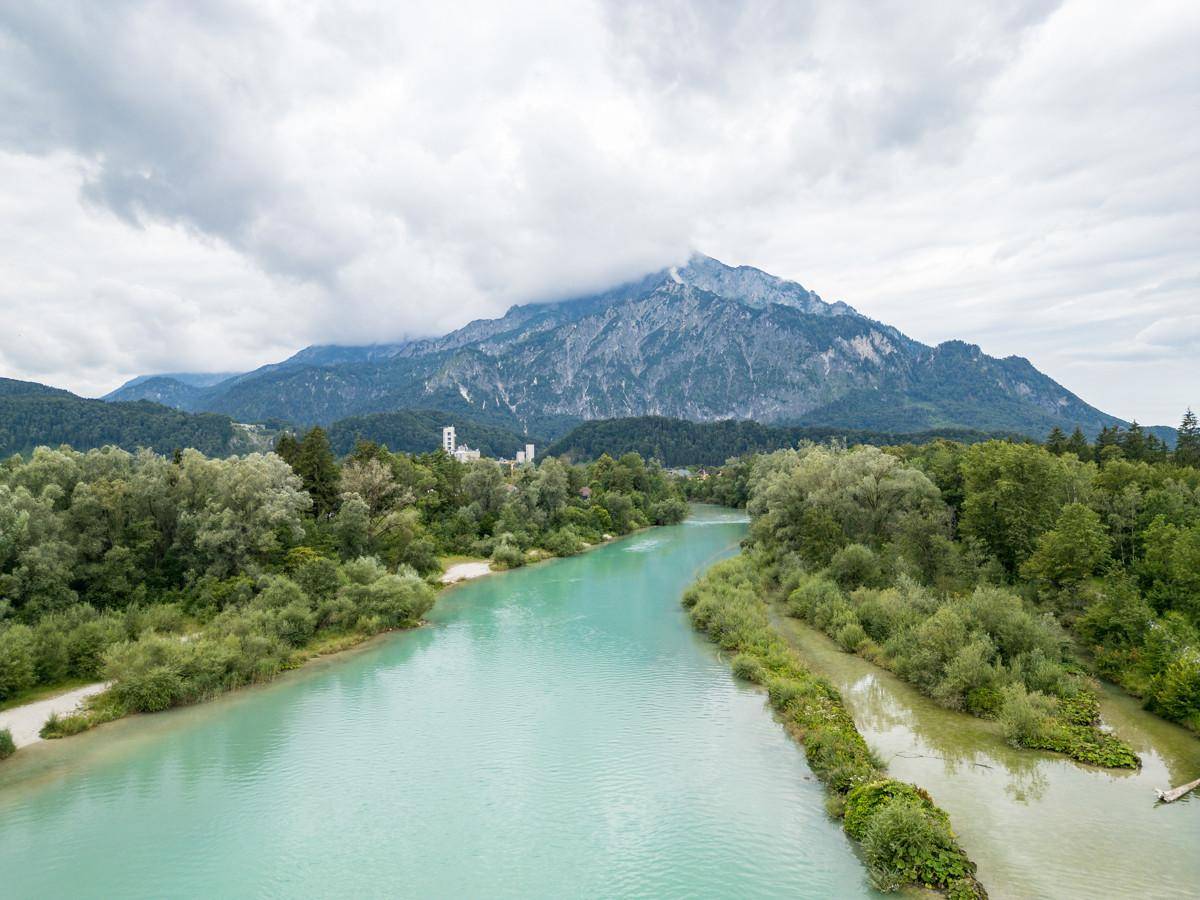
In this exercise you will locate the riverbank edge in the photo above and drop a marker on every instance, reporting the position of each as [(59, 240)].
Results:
[(729, 603), (1078, 734), (99, 708)]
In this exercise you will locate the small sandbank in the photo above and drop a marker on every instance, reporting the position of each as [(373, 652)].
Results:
[(26, 721), (465, 571)]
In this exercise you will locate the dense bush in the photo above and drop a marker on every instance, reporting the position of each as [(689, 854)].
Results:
[(7, 747), (869, 549), (1104, 537), (986, 653)]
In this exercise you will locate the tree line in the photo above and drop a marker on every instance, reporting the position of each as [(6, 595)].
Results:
[(975, 572), (678, 442), (180, 577)]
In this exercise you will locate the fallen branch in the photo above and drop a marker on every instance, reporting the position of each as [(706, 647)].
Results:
[(1172, 795), (904, 755)]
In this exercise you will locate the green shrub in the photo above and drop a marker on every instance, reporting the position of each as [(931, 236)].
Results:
[(7, 746), (17, 659), (1027, 719), (904, 843), (748, 668), (562, 542), (855, 566), (154, 690), (508, 556), (671, 511), (851, 637), (906, 839), (813, 595), (1176, 692)]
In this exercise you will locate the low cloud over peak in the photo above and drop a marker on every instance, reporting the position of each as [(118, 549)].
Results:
[(211, 189)]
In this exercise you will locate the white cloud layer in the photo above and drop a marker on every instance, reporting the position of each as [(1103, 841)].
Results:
[(212, 186)]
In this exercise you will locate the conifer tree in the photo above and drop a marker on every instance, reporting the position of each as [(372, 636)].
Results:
[(1078, 444), (1056, 443), (1187, 441), (317, 468), (287, 448), (1133, 442)]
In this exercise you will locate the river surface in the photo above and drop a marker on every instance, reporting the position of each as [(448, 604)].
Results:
[(1037, 824), (557, 731)]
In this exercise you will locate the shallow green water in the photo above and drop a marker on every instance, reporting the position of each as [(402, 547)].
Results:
[(558, 731), (1037, 824)]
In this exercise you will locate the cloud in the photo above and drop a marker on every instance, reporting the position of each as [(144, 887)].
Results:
[(212, 187)]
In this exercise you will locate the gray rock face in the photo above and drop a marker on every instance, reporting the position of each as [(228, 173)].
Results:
[(703, 341)]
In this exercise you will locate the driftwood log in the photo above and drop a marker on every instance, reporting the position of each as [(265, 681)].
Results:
[(1173, 795)]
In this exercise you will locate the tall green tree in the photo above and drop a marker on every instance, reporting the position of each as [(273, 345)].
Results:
[(319, 471), (1056, 442), (1071, 551), (1078, 444), (1187, 441), (1013, 493)]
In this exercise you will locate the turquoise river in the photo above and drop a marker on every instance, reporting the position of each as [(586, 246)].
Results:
[(560, 731), (556, 731)]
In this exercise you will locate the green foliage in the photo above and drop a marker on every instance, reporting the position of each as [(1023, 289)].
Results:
[(1013, 494), (748, 668), (7, 746), (678, 442), (318, 470), (1072, 551), (1113, 550), (507, 555), (17, 659), (855, 566), (906, 839), (32, 415)]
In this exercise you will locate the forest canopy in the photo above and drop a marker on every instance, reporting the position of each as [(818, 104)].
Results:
[(976, 572), (179, 577)]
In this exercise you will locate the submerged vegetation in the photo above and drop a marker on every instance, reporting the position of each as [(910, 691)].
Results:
[(180, 578), (906, 838)]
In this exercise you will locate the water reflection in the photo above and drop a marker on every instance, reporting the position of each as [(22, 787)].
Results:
[(1038, 824)]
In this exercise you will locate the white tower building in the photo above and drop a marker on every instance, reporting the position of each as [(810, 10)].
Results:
[(449, 442), (529, 453)]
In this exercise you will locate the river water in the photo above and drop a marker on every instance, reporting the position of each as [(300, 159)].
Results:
[(1037, 824), (556, 731)]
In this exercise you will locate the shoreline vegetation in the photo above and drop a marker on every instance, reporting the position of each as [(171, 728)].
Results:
[(1000, 578), (65, 705), (181, 579), (904, 837)]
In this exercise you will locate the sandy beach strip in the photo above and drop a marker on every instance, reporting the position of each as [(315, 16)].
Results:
[(26, 721), (465, 571)]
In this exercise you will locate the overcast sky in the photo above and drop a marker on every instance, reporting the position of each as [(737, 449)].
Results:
[(211, 186)]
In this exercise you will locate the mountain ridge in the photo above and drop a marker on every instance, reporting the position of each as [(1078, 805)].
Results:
[(703, 342)]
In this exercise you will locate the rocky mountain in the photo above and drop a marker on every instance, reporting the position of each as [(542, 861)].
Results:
[(703, 342)]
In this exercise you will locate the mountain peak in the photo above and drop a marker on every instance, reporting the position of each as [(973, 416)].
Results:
[(752, 287)]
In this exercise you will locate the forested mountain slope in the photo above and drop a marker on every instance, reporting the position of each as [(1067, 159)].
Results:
[(33, 414)]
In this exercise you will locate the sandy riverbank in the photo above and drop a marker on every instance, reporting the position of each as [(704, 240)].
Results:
[(26, 721), (465, 571)]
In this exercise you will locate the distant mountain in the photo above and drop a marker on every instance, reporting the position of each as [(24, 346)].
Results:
[(703, 342), (33, 414), (676, 442)]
